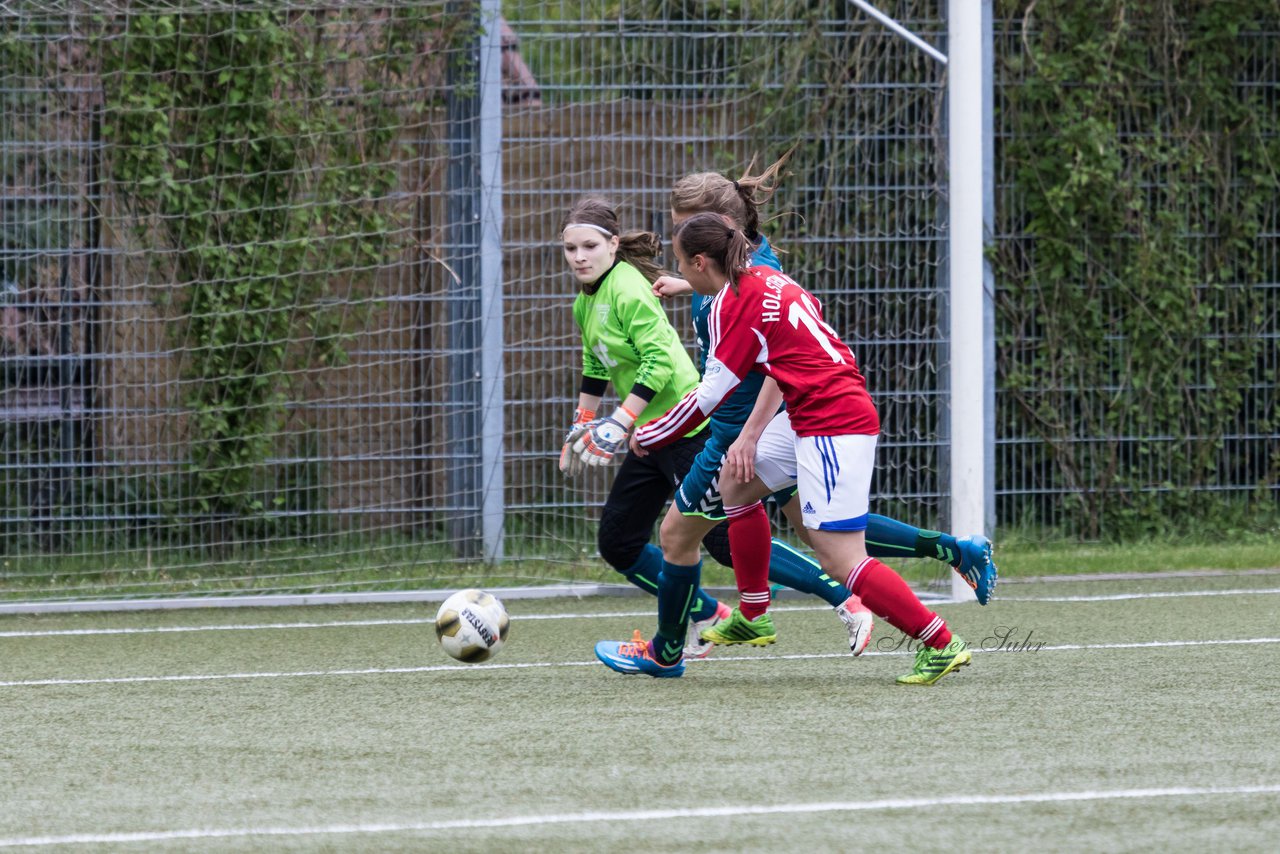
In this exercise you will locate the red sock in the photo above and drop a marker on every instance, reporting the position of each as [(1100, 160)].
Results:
[(884, 592), (749, 547)]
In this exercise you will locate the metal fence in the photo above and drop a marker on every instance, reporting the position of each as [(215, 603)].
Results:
[(386, 457), (633, 104), (1166, 421)]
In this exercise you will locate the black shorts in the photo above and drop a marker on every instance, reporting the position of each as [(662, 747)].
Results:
[(644, 484), (639, 492)]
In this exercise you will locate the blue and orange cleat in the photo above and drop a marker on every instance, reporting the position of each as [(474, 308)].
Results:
[(635, 656), (977, 566)]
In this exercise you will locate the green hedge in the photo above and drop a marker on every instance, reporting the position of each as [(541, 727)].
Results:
[(1139, 152)]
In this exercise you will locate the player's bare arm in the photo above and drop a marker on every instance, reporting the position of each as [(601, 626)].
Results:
[(671, 286), (740, 459)]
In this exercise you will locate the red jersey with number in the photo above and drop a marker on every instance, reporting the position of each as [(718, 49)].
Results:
[(774, 326)]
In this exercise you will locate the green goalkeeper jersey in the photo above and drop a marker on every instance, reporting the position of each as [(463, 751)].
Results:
[(627, 339)]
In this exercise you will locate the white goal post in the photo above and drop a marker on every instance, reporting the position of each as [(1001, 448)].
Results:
[(970, 156), (970, 148)]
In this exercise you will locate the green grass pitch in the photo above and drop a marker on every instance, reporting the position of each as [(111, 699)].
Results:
[(1105, 715)]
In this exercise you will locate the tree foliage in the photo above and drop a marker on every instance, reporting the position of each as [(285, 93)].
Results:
[(257, 151), (1140, 150)]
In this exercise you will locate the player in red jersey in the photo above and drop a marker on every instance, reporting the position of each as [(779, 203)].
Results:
[(824, 442)]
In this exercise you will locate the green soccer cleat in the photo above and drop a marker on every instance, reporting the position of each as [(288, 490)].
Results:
[(738, 629), (932, 664)]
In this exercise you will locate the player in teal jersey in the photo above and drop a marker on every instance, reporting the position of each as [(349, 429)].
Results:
[(698, 508)]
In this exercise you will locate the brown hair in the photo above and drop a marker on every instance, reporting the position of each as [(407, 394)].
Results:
[(739, 200), (708, 234), (637, 248)]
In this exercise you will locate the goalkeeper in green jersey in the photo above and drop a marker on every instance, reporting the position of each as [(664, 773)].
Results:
[(627, 340)]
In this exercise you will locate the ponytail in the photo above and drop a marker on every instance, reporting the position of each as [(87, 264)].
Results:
[(739, 200), (640, 249), (709, 235), (756, 190)]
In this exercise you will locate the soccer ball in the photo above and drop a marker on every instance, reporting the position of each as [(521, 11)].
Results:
[(472, 625)]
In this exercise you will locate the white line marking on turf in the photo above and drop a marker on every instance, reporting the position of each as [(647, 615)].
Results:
[(293, 674), (419, 621), (598, 817), (471, 668), (145, 630)]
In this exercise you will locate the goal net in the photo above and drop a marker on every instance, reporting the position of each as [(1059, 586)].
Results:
[(283, 304)]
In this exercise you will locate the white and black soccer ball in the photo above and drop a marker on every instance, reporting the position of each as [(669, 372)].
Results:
[(472, 625)]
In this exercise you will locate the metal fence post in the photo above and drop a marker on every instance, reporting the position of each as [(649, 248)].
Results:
[(492, 350), (463, 252), (476, 428)]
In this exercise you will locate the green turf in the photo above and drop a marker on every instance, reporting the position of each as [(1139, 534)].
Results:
[(799, 723), (1017, 556)]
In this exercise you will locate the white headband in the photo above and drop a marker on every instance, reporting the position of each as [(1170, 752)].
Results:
[(606, 232)]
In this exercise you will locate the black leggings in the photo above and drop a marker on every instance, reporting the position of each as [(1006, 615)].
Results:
[(638, 494)]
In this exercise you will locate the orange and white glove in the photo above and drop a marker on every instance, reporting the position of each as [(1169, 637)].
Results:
[(570, 463), (605, 438)]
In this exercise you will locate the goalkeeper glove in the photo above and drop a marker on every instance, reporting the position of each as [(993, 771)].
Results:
[(604, 438), (570, 462)]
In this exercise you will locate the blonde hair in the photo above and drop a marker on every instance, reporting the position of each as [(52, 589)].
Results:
[(637, 248), (739, 200)]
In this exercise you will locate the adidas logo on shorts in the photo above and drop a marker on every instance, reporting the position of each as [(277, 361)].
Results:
[(807, 508)]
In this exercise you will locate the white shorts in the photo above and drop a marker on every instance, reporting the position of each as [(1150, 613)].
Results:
[(832, 473)]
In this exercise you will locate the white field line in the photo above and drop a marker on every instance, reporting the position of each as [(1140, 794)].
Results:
[(418, 621), (717, 660), (604, 817), (243, 627)]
